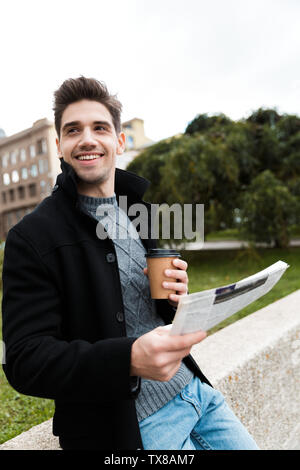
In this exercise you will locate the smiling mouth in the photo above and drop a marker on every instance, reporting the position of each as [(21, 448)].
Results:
[(89, 157)]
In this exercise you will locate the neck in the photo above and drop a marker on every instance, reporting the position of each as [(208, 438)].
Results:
[(106, 189)]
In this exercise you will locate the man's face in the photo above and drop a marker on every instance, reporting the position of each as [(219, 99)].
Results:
[(89, 143)]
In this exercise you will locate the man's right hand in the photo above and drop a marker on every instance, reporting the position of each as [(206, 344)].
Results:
[(157, 355)]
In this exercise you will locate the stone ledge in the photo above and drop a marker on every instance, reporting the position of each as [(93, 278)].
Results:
[(39, 437), (255, 363)]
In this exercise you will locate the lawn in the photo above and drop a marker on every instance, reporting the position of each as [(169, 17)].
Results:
[(19, 412), (207, 269)]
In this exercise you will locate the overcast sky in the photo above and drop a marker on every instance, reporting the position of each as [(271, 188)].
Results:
[(167, 60)]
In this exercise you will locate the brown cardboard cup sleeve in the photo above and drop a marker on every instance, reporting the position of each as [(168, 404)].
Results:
[(158, 260)]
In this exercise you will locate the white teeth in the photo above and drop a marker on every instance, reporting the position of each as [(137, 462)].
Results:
[(89, 157)]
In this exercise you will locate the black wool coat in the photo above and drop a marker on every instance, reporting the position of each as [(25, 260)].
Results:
[(63, 317)]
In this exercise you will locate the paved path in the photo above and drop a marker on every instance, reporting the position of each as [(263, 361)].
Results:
[(229, 245)]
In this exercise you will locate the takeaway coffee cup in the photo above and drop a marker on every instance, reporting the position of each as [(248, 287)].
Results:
[(157, 261)]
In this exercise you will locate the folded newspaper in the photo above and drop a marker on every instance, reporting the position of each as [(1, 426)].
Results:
[(203, 310)]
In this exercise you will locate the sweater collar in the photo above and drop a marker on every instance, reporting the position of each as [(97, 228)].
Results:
[(126, 182)]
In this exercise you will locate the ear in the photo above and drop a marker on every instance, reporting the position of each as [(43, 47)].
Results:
[(121, 143), (58, 148)]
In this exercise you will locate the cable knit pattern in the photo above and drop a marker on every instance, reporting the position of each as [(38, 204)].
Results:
[(140, 311)]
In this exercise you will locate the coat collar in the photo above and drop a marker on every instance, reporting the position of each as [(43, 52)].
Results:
[(126, 182)]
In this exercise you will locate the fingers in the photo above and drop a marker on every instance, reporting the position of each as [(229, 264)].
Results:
[(173, 299), (177, 274), (180, 264), (179, 287), (157, 356), (178, 280), (179, 342), (183, 342)]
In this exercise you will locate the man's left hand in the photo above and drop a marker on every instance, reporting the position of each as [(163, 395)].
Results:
[(181, 286)]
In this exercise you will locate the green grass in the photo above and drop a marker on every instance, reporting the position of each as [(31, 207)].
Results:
[(207, 269), (295, 231), (222, 235), (19, 412)]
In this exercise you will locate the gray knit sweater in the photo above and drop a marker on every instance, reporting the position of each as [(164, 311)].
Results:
[(140, 311)]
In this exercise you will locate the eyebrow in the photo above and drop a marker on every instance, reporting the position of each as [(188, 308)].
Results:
[(77, 123)]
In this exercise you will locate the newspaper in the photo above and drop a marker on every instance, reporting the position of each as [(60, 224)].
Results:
[(203, 310)]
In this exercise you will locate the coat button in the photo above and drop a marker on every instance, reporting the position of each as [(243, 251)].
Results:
[(110, 258), (120, 317)]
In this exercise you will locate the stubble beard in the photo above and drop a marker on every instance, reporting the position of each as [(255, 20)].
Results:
[(100, 179), (85, 180)]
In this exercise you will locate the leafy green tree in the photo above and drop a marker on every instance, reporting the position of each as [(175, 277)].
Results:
[(150, 164), (288, 125), (203, 122), (290, 161), (227, 166), (268, 210), (241, 144), (264, 116)]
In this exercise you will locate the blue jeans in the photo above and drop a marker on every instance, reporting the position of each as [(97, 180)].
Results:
[(198, 418)]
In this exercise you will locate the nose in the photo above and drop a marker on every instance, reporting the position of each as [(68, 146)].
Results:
[(87, 138)]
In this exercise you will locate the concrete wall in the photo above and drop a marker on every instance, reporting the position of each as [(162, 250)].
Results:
[(255, 363)]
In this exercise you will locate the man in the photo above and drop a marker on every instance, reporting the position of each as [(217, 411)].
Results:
[(78, 321)]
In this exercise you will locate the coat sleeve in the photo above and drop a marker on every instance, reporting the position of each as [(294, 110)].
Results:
[(39, 362)]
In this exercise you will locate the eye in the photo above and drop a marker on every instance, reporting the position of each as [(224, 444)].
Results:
[(100, 128), (72, 130)]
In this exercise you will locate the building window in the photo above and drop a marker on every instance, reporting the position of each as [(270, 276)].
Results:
[(130, 142), (10, 220), (24, 173), (5, 160), (44, 145), (21, 192), (6, 178), (43, 166), (43, 186), (4, 197), (23, 155), (33, 170), (13, 157), (32, 151), (32, 189), (19, 215), (41, 146), (15, 176), (11, 194)]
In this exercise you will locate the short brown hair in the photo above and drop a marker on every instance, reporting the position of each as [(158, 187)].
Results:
[(82, 88)]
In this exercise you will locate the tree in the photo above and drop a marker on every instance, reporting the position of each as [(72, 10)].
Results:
[(264, 116), (241, 144), (249, 167), (268, 210), (150, 164), (203, 122)]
